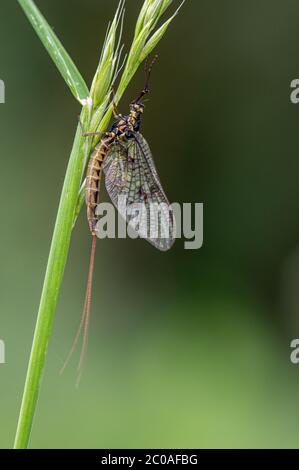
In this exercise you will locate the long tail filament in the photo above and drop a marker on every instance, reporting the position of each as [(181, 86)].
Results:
[(85, 319)]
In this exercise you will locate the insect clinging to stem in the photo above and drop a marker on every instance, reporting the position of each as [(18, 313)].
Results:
[(133, 185)]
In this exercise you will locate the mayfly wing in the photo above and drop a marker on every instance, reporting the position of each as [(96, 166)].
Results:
[(160, 214), (134, 187)]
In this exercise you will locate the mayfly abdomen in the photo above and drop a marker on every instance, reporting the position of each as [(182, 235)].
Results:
[(93, 180)]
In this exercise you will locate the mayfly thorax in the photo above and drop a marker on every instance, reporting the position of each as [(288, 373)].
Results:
[(124, 157)]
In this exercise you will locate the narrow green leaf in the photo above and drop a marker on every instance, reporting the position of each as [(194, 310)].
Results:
[(166, 4), (109, 58), (141, 17), (60, 57), (157, 36), (153, 41)]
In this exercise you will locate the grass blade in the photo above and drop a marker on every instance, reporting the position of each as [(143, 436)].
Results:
[(53, 279), (60, 57)]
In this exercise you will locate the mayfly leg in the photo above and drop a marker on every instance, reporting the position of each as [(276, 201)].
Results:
[(115, 110), (88, 134)]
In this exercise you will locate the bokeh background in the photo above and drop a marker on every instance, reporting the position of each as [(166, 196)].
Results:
[(187, 348)]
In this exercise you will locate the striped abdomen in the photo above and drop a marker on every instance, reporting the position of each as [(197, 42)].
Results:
[(93, 178)]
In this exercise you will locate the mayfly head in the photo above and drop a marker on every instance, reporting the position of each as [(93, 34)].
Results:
[(137, 107)]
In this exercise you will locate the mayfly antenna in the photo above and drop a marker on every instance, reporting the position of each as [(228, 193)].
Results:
[(148, 71)]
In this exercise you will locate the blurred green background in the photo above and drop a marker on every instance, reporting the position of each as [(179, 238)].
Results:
[(187, 348)]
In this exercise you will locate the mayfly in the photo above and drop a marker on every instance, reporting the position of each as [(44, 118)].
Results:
[(132, 182)]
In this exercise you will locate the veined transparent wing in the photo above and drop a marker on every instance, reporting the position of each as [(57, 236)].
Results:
[(134, 187)]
